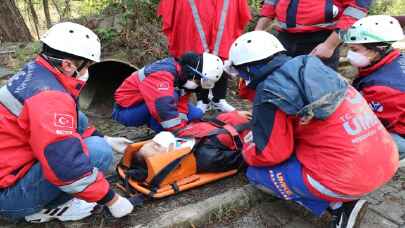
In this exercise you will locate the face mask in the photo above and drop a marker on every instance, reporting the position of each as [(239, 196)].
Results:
[(84, 77), (190, 84), (358, 59)]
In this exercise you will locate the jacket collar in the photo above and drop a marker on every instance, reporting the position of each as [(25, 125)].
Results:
[(305, 87), (71, 84), (266, 69), (384, 61)]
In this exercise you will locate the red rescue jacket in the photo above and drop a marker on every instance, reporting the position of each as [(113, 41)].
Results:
[(38, 123), (383, 86), (155, 85), (203, 26), (349, 153), (246, 92), (314, 15)]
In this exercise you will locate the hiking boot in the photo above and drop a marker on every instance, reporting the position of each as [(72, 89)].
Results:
[(349, 215), (223, 106), (73, 210), (203, 106)]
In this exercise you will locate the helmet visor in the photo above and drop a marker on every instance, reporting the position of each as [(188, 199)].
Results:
[(359, 35)]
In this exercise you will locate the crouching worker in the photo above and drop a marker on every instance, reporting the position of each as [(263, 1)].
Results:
[(206, 151), (51, 161), (316, 141), (381, 78), (158, 94)]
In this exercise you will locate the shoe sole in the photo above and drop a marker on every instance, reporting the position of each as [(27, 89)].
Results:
[(357, 214), (46, 218), (39, 220)]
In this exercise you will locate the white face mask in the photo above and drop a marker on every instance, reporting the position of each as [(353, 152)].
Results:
[(84, 77), (358, 59), (190, 84)]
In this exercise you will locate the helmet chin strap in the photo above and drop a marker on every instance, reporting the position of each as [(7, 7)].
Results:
[(82, 65), (57, 63)]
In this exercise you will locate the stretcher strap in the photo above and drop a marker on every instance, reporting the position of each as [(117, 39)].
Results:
[(156, 180)]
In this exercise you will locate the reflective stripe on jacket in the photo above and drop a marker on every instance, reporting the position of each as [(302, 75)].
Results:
[(203, 25), (309, 15)]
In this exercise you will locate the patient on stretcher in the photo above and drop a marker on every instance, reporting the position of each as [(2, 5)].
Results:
[(210, 155)]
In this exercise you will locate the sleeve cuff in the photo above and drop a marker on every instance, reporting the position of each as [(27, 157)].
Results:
[(108, 197)]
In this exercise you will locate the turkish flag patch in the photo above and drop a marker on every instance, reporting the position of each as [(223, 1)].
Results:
[(163, 86), (63, 120)]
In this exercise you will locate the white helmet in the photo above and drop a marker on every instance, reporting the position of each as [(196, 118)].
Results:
[(254, 46), (164, 139), (212, 70), (74, 39), (373, 29)]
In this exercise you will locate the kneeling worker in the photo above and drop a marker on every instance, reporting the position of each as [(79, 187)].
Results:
[(51, 163), (315, 139), (158, 94)]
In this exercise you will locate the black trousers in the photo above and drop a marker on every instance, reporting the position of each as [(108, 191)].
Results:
[(303, 43), (218, 92)]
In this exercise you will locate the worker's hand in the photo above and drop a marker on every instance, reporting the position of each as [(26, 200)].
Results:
[(118, 144), (119, 206), (229, 69), (323, 51), (246, 114)]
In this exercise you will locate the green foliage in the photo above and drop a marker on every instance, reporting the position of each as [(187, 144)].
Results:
[(255, 4), (94, 7), (26, 52), (106, 34), (389, 7)]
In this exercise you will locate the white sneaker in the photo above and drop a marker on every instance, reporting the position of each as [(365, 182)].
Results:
[(223, 106), (73, 210), (203, 106)]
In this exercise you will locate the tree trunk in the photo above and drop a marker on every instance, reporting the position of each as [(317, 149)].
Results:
[(34, 17), (47, 14), (12, 25), (57, 9), (66, 10)]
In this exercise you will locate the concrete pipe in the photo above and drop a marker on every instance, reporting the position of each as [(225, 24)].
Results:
[(104, 78)]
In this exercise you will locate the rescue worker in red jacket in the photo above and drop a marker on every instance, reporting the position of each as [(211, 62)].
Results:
[(381, 77), (309, 26), (48, 154), (158, 94), (315, 140), (205, 26)]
